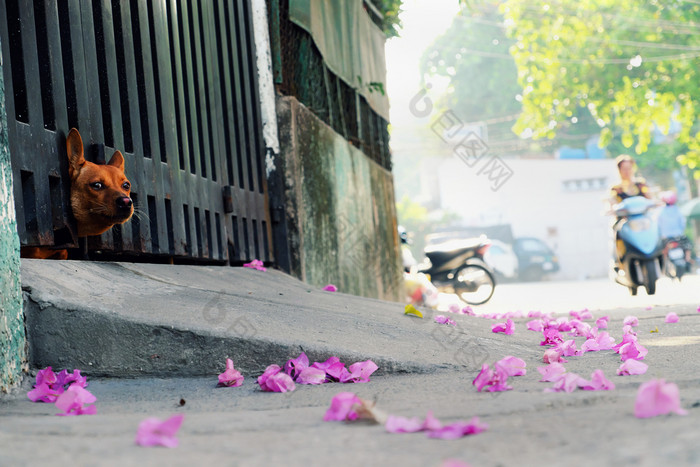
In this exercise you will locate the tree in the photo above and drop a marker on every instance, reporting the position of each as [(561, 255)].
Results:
[(474, 55), (631, 64)]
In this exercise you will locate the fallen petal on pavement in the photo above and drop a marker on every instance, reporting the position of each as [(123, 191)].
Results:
[(459, 429), (508, 327), (657, 397), (513, 366), (632, 367), (154, 432), (672, 318), (231, 377), (75, 400)]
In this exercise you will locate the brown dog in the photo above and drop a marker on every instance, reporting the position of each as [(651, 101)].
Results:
[(100, 195)]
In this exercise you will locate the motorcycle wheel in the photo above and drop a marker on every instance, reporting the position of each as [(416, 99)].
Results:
[(650, 276), (474, 284)]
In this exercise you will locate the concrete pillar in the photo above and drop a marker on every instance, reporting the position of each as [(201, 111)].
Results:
[(12, 337)]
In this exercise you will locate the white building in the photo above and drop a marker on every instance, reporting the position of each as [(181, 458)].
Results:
[(559, 201)]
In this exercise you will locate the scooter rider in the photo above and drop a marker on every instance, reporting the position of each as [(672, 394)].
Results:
[(629, 186)]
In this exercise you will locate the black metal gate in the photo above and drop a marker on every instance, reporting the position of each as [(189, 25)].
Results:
[(170, 83)]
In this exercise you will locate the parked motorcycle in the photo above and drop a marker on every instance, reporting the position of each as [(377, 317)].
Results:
[(640, 264), (675, 257), (458, 266)]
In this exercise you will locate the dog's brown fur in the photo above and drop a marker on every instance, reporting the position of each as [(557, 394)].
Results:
[(100, 195)]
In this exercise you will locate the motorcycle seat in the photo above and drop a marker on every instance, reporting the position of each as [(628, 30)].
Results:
[(444, 251)]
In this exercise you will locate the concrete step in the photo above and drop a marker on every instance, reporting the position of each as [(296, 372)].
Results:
[(129, 320)]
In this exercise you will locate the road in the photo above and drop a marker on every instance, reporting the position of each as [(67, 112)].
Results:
[(595, 294)]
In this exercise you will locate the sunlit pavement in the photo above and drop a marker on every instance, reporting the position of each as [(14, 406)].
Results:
[(595, 294), (426, 367)]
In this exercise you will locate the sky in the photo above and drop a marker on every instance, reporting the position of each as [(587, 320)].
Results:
[(423, 21)]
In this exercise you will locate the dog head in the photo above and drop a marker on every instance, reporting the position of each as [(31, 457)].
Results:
[(100, 194)]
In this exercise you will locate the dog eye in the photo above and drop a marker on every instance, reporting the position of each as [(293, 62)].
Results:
[(126, 185), (96, 185)]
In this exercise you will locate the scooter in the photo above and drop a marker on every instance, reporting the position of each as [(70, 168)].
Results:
[(458, 266), (675, 258), (642, 259)]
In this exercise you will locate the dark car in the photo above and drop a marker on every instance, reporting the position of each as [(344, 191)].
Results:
[(535, 258)]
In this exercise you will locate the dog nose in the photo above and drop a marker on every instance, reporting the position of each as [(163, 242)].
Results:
[(124, 202)]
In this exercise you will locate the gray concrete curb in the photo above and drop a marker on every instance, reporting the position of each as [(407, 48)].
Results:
[(130, 320)]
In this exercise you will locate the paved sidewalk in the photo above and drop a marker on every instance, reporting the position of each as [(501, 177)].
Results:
[(85, 317)]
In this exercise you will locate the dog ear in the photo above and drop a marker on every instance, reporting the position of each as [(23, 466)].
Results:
[(117, 160), (74, 148)]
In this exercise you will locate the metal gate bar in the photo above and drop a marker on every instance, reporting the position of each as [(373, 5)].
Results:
[(171, 84)]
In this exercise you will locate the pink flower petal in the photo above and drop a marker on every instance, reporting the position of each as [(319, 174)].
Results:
[(431, 423), (294, 366), (493, 380), (330, 288), (591, 345), (454, 463), (442, 319), (255, 264), (632, 367), (396, 424), (605, 342), (553, 356), (311, 375), (657, 397), (46, 376), (65, 378), (467, 310), (459, 429), (231, 377), (154, 432), (672, 318), (632, 350), (626, 339), (581, 315), (598, 382), (498, 383), (513, 366), (535, 325), (508, 327), (551, 337), (552, 372), (483, 378), (74, 401), (602, 323), (327, 364), (631, 321), (569, 382), (280, 382), (337, 372), (43, 393), (567, 348), (275, 380), (344, 406), (359, 372)]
